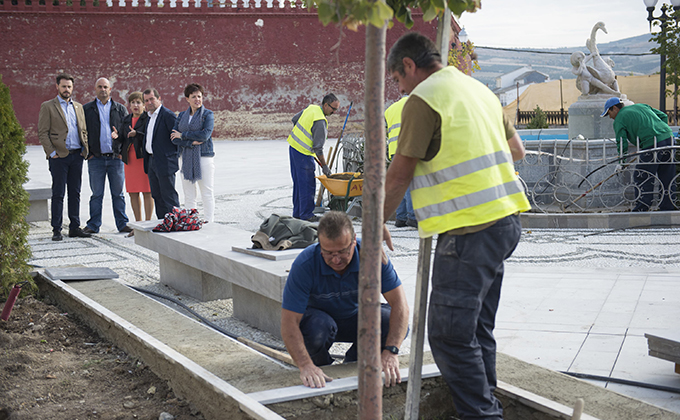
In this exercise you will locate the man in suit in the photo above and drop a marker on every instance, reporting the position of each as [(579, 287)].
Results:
[(104, 118), (160, 155), (63, 134)]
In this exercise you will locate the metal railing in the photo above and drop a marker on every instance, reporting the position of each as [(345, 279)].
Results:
[(553, 117), (580, 176)]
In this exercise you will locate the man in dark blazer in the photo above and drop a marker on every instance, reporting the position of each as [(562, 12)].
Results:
[(104, 119), (63, 134), (160, 155)]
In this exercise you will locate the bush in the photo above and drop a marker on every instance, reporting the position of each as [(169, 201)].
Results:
[(539, 120), (14, 252)]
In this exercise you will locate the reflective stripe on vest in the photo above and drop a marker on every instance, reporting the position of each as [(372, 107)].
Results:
[(459, 170), (300, 137), (471, 180), (393, 119)]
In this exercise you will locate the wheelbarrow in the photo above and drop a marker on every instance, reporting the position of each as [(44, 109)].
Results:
[(342, 191)]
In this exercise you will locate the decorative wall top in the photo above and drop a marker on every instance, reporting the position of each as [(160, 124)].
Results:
[(158, 6)]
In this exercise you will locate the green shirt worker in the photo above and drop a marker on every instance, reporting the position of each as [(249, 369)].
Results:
[(648, 128)]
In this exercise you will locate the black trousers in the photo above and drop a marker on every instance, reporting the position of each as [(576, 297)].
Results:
[(162, 190), (67, 175)]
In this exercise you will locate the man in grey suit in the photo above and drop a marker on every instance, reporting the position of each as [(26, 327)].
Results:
[(63, 134)]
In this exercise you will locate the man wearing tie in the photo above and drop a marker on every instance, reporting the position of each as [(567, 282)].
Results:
[(160, 155), (63, 134), (104, 118)]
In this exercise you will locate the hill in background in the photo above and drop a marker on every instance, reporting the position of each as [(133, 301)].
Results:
[(494, 63)]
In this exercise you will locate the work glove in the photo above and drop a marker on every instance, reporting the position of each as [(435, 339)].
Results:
[(326, 170)]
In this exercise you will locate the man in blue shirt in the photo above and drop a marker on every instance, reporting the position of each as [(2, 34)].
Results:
[(104, 119), (320, 304)]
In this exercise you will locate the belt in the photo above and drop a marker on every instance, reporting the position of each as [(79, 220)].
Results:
[(73, 151), (107, 154)]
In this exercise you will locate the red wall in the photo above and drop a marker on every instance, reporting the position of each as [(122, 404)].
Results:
[(256, 77)]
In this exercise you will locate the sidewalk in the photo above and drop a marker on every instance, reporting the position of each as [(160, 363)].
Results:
[(573, 300)]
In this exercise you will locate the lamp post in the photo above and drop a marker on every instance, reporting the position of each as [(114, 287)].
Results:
[(662, 20), (561, 104)]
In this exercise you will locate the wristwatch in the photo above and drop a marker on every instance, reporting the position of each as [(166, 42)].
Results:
[(392, 349)]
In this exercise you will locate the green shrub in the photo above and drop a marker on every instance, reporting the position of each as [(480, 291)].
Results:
[(539, 120), (14, 249)]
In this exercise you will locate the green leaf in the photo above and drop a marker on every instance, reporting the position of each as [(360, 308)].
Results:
[(326, 13), (439, 4)]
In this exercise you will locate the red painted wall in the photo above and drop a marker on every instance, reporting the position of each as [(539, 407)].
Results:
[(258, 65)]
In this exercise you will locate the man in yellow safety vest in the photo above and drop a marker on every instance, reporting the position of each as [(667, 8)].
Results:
[(405, 215), (456, 157), (310, 130)]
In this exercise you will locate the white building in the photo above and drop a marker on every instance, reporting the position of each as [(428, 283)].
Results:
[(512, 84)]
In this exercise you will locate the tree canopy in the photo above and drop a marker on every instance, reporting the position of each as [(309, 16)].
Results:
[(352, 13)]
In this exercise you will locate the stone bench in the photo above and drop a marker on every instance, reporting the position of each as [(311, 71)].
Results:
[(38, 195), (215, 263)]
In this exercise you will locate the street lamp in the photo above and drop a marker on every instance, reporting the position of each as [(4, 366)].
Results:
[(463, 35), (662, 19)]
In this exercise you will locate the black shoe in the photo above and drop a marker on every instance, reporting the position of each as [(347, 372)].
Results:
[(412, 223), (78, 233), (88, 231), (57, 236), (126, 229), (400, 223), (313, 219)]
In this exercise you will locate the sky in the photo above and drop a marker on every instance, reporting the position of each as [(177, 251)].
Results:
[(553, 23)]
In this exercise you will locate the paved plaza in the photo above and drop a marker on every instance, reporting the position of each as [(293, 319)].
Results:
[(573, 300)]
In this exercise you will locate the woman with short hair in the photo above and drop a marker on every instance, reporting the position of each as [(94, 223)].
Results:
[(136, 181), (193, 133)]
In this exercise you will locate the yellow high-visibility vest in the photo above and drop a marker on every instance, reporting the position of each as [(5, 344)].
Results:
[(393, 118), (300, 138), (471, 180)]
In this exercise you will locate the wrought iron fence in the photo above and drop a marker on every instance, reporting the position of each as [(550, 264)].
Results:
[(592, 176), (558, 118)]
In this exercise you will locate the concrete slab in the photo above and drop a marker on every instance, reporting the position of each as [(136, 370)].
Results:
[(286, 254), (80, 273)]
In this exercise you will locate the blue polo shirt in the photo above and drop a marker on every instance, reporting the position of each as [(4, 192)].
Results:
[(312, 283)]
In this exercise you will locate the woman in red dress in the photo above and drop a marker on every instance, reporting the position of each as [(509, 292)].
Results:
[(136, 181)]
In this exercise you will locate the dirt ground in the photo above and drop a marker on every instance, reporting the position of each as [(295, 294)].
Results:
[(52, 368)]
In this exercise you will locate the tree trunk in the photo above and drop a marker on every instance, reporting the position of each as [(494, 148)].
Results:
[(370, 367)]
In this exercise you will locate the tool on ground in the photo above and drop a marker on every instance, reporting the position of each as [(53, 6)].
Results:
[(418, 334), (319, 197), (337, 145), (597, 185), (332, 153), (278, 355), (11, 300)]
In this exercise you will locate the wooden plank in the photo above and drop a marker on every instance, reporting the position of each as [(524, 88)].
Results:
[(666, 348), (538, 403)]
